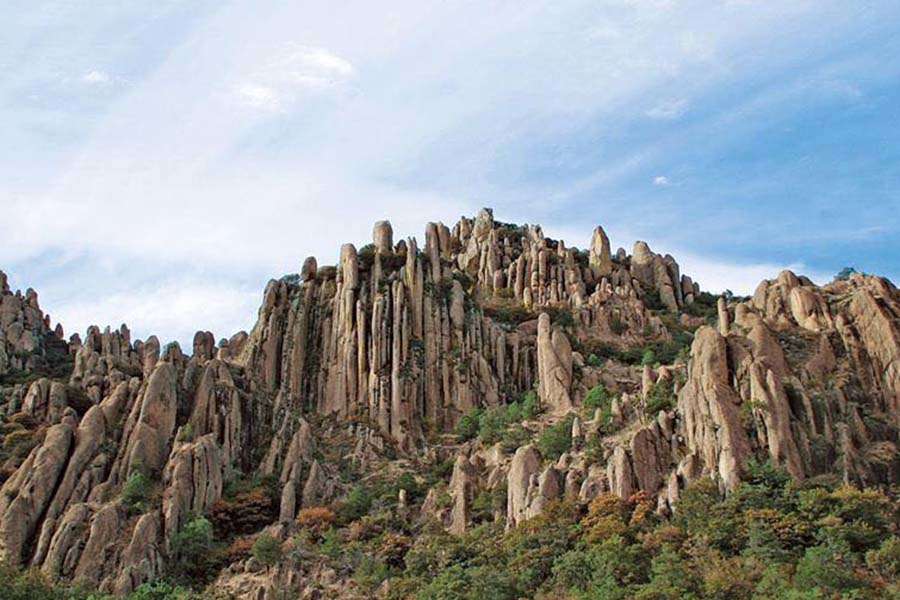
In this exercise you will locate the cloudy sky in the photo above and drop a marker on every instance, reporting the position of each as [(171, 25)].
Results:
[(162, 159)]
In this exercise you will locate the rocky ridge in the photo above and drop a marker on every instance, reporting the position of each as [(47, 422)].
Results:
[(371, 367)]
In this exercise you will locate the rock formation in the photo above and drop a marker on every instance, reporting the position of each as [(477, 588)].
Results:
[(374, 364)]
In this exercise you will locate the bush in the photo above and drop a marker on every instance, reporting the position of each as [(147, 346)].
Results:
[(136, 492), (161, 590), (243, 512), (33, 585), (556, 439), (531, 406), (594, 361), (316, 519), (192, 547), (356, 504), (845, 274), (597, 397), (660, 397), (825, 569), (196, 537), (467, 427), (492, 424), (267, 550), (885, 561)]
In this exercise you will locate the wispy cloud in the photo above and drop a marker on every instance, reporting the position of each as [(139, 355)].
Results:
[(293, 71), (661, 181), (96, 77), (668, 110)]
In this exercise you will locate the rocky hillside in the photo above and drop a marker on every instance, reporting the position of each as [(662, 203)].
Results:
[(483, 381)]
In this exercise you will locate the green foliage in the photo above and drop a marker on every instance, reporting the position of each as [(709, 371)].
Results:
[(492, 424), (600, 398), (186, 433), (885, 561), (136, 492), (653, 301), (370, 572), (826, 569), (845, 274), (33, 585), (617, 325), (357, 504), (671, 578), (594, 361), (597, 397), (467, 427), (267, 549), (660, 397), (498, 423), (704, 306), (531, 406), (161, 590), (648, 357), (770, 538), (556, 439), (193, 540)]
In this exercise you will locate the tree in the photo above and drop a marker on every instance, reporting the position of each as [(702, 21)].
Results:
[(556, 439), (267, 549), (845, 274)]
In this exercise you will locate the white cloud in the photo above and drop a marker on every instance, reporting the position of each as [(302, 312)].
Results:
[(173, 310), (294, 70), (96, 78), (661, 181), (668, 110), (259, 97), (716, 276)]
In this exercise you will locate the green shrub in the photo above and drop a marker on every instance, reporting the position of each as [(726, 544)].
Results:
[(531, 406), (514, 436), (556, 439), (617, 325), (136, 492), (845, 274), (826, 569), (467, 427), (370, 572), (195, 538), (594, 361), (34, 585), (660, 397), (161, 590), (597, 397), (492, 424), (885, 561), (267, 550), (648, 357), (356, 505)]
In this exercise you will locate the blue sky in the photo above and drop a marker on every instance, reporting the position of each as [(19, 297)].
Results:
[(161, 160)]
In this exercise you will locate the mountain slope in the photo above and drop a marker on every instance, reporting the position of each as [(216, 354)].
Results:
[(493, 379)]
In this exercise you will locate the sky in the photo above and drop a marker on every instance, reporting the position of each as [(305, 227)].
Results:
[(161, 160)]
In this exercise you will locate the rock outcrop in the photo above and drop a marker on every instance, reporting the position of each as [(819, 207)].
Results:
[(363, 370)]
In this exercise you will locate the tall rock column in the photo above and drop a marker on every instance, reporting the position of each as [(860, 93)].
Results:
[(554, 367), (600, 258), (711, 410)]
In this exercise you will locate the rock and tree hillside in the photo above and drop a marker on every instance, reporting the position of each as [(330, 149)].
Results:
[(492, 415)]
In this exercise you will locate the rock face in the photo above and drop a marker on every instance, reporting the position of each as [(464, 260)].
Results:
[(27, 342), (391, 336), (710, 409), (381, 356), (554, 367)]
